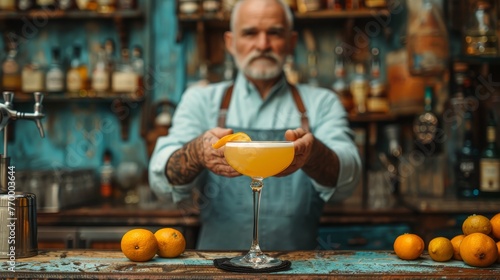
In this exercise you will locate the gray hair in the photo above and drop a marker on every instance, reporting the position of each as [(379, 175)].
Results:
[(286, 9)]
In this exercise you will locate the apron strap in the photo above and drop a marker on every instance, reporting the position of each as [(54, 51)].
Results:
[(296, 98)]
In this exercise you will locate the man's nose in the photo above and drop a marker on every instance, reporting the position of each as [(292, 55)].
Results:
[(263, 42)]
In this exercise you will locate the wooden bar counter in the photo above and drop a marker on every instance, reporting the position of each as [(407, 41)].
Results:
[(112, 264)]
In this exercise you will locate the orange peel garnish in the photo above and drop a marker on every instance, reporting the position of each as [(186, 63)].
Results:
[(238, 136)]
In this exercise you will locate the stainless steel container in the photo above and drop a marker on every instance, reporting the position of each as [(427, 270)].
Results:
[(18, 227)]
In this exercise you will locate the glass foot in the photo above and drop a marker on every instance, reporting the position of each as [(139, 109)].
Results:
[(255, 261)]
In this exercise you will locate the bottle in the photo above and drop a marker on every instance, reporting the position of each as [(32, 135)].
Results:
[(375, 4), (25, 5), (304, 6), (138, 66), (124, 80), (426, 127), (211, 7), (107, 172), (480, 35), (340, 84), (7, 5), (100, 75), (377, 101), (45, 4), (11, 71), (359, 89), (467, 165), (66, 5), (427, 44), (334, 5), (490, 162), (32, 77), (106, 6), (77, 76), (291, 72), (54, 78), (86, 5)]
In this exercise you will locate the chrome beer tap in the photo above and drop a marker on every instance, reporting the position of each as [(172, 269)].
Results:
[(7, 115)]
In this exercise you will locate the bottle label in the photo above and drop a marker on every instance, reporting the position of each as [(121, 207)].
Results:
[(55, 81), (74, 81), (100, 81), (125, 82), (490, 175), (32, 80), (11, 81)]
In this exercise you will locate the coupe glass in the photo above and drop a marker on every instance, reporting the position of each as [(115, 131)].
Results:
[(258, 160)]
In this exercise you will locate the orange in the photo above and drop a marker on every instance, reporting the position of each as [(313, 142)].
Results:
[(238, 136), (408, 246), (455, 241), (495, 226), (476, 223), (478, 249), (440, 249), (139, 245), (171, 242), (498, 248)]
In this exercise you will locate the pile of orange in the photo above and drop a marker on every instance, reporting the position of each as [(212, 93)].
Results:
[(141, 245), (479, 245)]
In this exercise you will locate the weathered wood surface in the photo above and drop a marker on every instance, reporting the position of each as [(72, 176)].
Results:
[(92, 264)]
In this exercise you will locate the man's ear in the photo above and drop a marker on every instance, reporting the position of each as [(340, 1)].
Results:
[(228, 39)]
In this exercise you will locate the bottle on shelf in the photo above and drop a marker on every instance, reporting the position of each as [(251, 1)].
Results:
[(25, 5), (340, 84), (291, 71), (211, 7), (54, 78), (490, 162), (139, 68), (124, 79), (427, 45), (66, 5), (375, 4), (304, 6), (8, 5), (480, 31), (109, 52), (77, 76), (45, 4), (426, 127), (334, 5), (106, 6), (107, 173), (86, 5), (11, 71), (100, 75), (467, 165), (353, 4), (32, 78), (377, 101), (359, 87)]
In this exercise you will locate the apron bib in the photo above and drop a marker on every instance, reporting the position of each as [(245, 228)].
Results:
[(289, 213)]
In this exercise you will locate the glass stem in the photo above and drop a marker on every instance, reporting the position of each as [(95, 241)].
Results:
[(256, 185)]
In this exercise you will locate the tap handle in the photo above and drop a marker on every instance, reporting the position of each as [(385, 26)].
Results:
[(8, 97), (38, 112)]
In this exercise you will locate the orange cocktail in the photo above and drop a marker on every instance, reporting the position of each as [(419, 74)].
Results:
[(259, 159)]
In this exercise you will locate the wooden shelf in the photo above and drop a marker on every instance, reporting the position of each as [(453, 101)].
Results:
[(132, 14)]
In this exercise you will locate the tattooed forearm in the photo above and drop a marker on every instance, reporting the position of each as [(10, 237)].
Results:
[(185, 164), (323, 165)]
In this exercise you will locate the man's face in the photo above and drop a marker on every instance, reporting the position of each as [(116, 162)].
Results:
[(260, 40)]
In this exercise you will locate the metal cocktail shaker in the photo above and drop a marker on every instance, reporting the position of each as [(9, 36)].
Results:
[(18, 227)]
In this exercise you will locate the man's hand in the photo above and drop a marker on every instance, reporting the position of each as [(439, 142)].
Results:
[(302, 142), (213, 159), (187, 162)]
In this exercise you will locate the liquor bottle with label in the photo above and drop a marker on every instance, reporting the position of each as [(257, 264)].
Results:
[(124, 79), (427, 44), (490, 162), (77, 76), (7, 5), (106, 6), (480, 31), (11, 71), (304, 6), (45, 4), (100, 75), (66, 5), (359, 89), (32, 78), (377, 101), (467, 165), (340, 84), (426, 127), (25, 5), (54, 78)]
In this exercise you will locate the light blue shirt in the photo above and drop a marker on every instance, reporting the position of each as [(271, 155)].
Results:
[(198, 111), (292, 206)]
